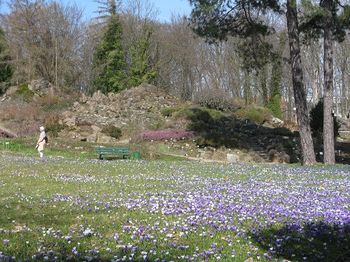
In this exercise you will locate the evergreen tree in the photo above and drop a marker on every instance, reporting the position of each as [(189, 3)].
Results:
[(109, 58), (317, 116), (141, 68), (6, 70), (274, 103)]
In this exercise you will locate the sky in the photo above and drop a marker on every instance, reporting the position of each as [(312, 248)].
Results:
[(165, 8)]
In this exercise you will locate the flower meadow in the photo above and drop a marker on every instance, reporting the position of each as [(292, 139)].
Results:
[(172, 211)]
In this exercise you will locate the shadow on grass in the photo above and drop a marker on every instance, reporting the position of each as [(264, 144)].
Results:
[(313, 242), (216, 129), (342, 152)]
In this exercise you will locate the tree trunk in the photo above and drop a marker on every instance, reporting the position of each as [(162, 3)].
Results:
[(263, 84), (247, 89), (308, 153), (328, 124)]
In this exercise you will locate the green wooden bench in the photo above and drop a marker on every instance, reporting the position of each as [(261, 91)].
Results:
[(117, 151)]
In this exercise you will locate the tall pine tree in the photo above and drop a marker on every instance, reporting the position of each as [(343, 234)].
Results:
[(109, 58), (141, 68)]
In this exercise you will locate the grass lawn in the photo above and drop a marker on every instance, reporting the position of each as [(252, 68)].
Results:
[(90, 210)]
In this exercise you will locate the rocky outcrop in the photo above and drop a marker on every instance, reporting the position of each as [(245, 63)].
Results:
[(134, 109)]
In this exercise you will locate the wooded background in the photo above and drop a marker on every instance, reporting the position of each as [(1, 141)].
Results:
[(51, 41)]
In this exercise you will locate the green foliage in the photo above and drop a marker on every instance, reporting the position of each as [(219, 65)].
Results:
[(275, 106), (156, 124), (59, 105), (210, 127), (214, 99), (206, 15), (314, 18), (198, 113), (24, 92), (216, 20), (6, 70), (168, 111), (109, 59), (141, 68), (274, 103), (107, 7), (316, 122), (53, 125), (54, 128), (112, 131), (255, 114)]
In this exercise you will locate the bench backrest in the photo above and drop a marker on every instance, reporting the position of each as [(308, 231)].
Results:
[(113, 150)]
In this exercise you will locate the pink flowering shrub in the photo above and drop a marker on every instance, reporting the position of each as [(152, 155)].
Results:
[(158, 135)]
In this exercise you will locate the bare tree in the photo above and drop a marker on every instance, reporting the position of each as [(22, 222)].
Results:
[(46, 39)]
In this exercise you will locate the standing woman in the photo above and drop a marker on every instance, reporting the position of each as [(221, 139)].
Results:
[(41, 142)]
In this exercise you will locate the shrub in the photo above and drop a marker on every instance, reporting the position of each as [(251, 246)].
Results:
[(112, 131), (53, 125), (183, 113), (199, 114), (168, 111), (316, 122), (159, 135), (255, 114), (19, 111), (275, 106), (3, 87), (24, 92), (155, 123), (214, 99), (52, 103)]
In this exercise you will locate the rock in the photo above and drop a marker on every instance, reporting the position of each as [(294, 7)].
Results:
[(6, 133), (124, 141), (83, 99), (96, 129), (206, 155), (285, 158), (273, 155), (70, 121), (11, 90), (276, 122), (278, 157), (232, 158), (39, 85), (267, 125), (92, 138), (98, 97), (104, 139), (76, 105)]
